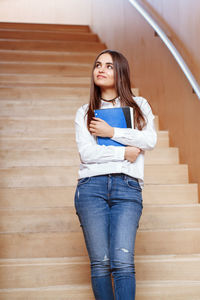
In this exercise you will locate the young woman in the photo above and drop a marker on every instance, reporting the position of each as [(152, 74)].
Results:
[(108, 198)]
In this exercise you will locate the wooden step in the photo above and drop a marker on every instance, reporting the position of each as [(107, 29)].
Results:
[(15, 158), (38, 93), (58, 176), (64, 219), (151, 290), (42, 45), (44, 112), (44, 27), (162, 156), (54, 95), (50, 127), (176, 290), (55, 102), (170, 194), (60, 69), (166, 174), (64, 244), (47, 56), (71, 292), (43, 80), (43, 272), (47, 35), (43, 197), (43, 104), (51, 140), (170, 217)]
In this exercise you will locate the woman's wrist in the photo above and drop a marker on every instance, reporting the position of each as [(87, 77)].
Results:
[(111, 133)]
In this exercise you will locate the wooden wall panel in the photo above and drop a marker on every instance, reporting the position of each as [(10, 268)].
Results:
[(154, 70), (46, 11)]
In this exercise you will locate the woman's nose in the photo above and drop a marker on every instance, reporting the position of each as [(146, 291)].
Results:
[(101, 69)]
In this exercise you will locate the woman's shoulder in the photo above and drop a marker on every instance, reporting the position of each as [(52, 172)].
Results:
[(81, 112), (141, 101), (82, 109), (143, 105)]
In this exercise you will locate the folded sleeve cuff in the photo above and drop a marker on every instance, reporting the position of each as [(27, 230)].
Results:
[(119, 153), (117, 133)]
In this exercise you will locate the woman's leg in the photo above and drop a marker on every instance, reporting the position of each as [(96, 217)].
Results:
[(126, 210), (94, 214)]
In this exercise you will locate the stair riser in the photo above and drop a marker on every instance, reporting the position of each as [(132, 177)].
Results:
[(44, 27), (51, 46), (48, 141), (144, 292), (46, 56), (57, 113), (170, 194), (52, 295), (45, 94), (174, 217), (38, 129), (42, 84), (43, 276), (44, 80), (58, 176), (67, 158), (179, 292), (39, 113), (35, 276), (19, 124), (55, 102), (61, 197), (44, 35), (60, 244), (65, 219), (54, 69)]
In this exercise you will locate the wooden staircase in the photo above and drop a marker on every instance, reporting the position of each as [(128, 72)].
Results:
[(44, 77)]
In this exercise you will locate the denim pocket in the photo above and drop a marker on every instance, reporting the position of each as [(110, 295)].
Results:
[(133, 183), (83, 180)]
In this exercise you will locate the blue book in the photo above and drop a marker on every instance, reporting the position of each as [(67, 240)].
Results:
[(121, 117)]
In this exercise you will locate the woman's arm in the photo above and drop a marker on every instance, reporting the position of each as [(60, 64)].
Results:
[(144, 139), (89, 151)]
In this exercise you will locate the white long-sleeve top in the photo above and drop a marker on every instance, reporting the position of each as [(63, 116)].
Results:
[(99, 159)]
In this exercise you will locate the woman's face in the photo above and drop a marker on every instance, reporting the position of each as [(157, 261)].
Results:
[(104, 71)]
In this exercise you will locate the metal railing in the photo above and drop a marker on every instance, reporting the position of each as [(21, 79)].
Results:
[(170, 46)]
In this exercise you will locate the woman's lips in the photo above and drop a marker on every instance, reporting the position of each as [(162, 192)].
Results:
[(101, 76)]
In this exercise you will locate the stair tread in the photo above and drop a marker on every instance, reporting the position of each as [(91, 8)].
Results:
[(174, 241), (85, 259), (43, 26), (47, 35), (15, 44), (178, 283), (54, 219), (64, 157)]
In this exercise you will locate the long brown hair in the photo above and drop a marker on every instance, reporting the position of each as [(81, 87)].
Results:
[(122, 86)]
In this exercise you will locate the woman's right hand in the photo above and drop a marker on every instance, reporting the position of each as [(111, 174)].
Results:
[(131, 153)]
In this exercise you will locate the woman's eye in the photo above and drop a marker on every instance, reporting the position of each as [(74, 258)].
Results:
[(97, 66), (110, 67)]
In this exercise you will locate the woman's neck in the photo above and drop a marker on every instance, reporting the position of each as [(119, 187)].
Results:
[(108, 94)]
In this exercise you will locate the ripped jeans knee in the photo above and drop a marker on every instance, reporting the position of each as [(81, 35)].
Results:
[(100, 267), (122, 262)]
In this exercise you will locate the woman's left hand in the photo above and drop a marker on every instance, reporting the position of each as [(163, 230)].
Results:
[(99, 127)]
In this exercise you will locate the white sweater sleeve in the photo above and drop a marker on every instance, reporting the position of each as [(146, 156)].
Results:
[(144, 139), (88, 149)]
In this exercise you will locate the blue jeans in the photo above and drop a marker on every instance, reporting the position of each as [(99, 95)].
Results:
[(109, 208)]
